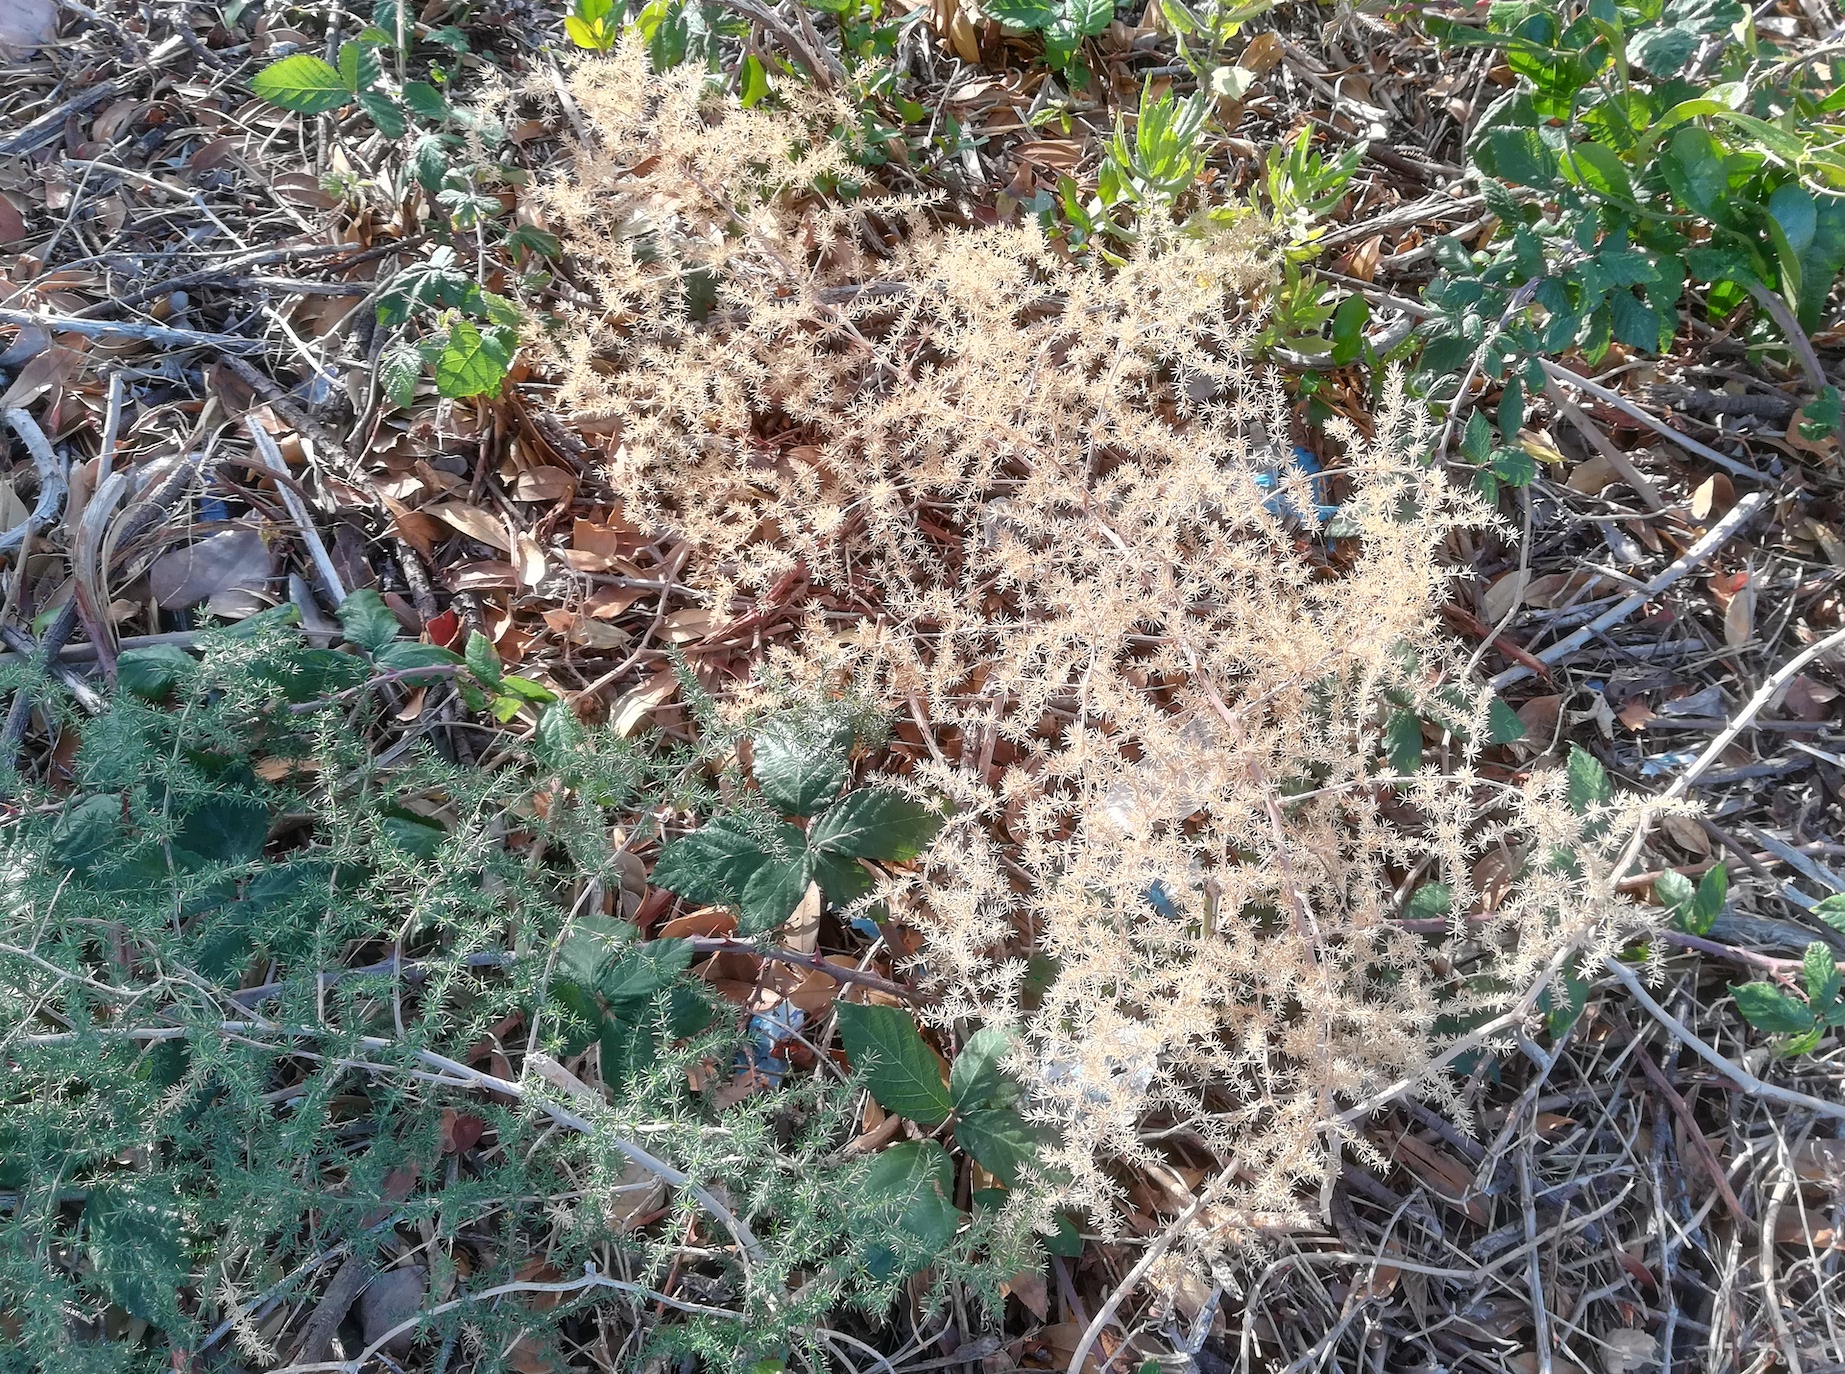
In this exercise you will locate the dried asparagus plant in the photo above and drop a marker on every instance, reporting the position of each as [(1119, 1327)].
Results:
[(1173, 864)]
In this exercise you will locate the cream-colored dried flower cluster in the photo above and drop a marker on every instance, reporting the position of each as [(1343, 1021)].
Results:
[(1153, 700)]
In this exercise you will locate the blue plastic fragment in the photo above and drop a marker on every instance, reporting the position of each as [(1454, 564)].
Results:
[(1280, 504), (1161, 901), (768, 1029)]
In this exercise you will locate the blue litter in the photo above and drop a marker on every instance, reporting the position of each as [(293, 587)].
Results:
[(1281, 505), (768, 1030)]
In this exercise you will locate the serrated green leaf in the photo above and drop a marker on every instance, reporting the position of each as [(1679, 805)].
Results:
[(1832, 912), (1001, 1140), (560, 734), (1587, 781), (473, 362), (400, 365), (224, 830), (527, 690), (490, 306), (1767, 1008), (407, 655), (385, 113), (1090, 17), (1692, 165), (900, 1069), (1021, 14), (1521, 156), (1824, 415), (1663, 52), (801, 765), (711, 865), (429, 162), (642, 971), (1707, 904), (1675, 892), (975, 1079), (1598, 169), (302, 83), (1822, 976), (1429, 901), (772, 893), (1477, 438), (1065, 1240), (138, 1247), (875, 823), (1502, 723), (842, 880), (483, 660), (358, 67), (366, 620), (1512, 409), (1515, 468), (1634, 322), (425, 101), (592, 942)]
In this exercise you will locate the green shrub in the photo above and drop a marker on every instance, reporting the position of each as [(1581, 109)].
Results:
[(1645, 148), (273, 1006)]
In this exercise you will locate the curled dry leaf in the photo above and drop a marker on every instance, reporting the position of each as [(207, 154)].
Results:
[(389, 1300), (473, 522), (232, 560), (1627, 1351)]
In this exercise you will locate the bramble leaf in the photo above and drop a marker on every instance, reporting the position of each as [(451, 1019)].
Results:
[(875, 823), (399, 367), (473, 361), (1587, 781), (1767, 1008), (1021, 14), (1403, 741), (1001, 1140), (366, 620), (302, 83), (483, 660), (798, 769), (912, 1182), (772, 893), (976, 1079), (711, 865), (903, 1073), (643, 970), (406, 655), (152, 673), (1502, 723), (1822, 976), (138, 1247)]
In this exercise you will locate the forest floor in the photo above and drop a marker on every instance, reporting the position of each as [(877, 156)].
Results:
[(183, 266)]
